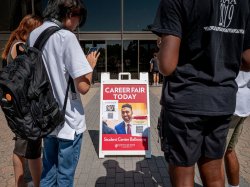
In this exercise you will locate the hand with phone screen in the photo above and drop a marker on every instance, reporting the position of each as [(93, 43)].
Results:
[(92, 49), (92, 56)]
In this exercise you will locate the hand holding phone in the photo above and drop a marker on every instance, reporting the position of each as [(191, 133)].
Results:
[(93, 49), (92, 56)]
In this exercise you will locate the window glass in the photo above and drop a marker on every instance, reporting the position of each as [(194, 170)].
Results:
[(114, 58), (103, 15), (139, 14), (12, 12), (100, 65), (130, 55), (5, 15), (147, 49)]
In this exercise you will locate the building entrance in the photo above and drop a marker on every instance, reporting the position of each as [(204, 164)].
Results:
[(134, 58)]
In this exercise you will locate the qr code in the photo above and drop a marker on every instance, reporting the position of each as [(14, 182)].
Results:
[(139, 129), (110, 115), (110, 108)]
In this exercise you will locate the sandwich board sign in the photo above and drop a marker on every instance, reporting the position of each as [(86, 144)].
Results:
[(124, 116)]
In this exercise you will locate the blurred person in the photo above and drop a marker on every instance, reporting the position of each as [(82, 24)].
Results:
[(200, 54), (154, 69), (63, 57), (242, 111), (106, 129), (24, 149)]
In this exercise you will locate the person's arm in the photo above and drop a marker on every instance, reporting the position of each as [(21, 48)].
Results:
[(168, 54), (167, 26), (78, 65), (83, 82), (151, 66), (245, 66)]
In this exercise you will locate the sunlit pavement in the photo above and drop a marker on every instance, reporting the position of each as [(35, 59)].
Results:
[(117, 170)]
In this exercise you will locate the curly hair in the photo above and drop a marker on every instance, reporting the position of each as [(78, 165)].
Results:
[(61, 9), (28, 23)]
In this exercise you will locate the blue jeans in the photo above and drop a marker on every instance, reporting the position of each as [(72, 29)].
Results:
[(60, 158)]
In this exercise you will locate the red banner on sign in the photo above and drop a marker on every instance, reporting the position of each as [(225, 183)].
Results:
[(118, 142), (125, 93)]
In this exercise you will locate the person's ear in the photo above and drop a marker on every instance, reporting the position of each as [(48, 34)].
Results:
[(68, 15)]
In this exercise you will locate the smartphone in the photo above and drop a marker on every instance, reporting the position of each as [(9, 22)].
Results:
[(92, 49)]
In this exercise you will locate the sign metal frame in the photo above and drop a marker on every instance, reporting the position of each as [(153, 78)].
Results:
[(105, 80)]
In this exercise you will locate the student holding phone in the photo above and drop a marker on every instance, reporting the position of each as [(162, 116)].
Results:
[(64, 57), (93, 50)]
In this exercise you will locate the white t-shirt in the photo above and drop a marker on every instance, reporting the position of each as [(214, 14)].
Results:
[(63, 55), (243, 95)]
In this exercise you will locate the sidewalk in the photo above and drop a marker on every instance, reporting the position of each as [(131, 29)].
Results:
[(117, 170), (132, 170)]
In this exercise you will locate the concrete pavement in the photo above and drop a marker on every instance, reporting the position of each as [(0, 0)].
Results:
[(117, 170)]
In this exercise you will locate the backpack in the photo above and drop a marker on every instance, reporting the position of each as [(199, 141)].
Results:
[(26, 95)]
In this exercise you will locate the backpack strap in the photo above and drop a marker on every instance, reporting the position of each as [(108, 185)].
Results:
[(70, 82), (44, 36), (39, 43), (18, 51)]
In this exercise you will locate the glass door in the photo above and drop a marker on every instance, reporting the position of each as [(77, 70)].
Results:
[(114, 65), (130, 58), (147, 49)]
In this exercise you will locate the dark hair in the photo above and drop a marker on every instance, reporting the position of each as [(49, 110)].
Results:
[(61, 9), (127, 106)]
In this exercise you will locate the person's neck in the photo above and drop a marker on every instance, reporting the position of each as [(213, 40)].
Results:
[(60, 24)]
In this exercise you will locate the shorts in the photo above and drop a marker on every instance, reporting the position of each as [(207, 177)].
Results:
[(27, 148), (235, 130), (187, 137)]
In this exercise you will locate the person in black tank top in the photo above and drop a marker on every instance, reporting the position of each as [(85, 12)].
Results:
[(24, 149)]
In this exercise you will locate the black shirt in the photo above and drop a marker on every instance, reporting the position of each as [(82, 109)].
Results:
[(154, 61), (212, 36)]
